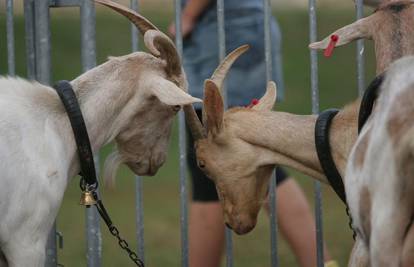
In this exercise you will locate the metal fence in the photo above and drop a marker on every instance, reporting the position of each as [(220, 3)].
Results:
[(38, 46)]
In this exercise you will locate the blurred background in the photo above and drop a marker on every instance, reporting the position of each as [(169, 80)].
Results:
[(337, 86)]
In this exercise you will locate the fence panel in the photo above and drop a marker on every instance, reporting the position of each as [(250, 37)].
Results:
[(38, 46)]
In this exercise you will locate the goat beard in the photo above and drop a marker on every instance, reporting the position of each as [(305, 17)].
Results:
[(111, 165)]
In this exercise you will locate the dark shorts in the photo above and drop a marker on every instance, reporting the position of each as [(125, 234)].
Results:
[(203, 188)]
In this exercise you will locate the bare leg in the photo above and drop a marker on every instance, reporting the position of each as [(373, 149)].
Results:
[(206, 234), (296, 223)]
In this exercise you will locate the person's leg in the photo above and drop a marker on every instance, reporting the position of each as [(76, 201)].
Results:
[(206, 234), (206, 222), (296, 222)]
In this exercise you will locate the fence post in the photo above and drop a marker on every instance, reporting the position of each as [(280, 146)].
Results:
[(139, 207), (272, 183), (10, 38), (43, 75), (88, 56), (360, 50), (315, 110), (182, 148)]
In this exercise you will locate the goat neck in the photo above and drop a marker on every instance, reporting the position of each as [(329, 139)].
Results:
[(290, 137), (103, 102)]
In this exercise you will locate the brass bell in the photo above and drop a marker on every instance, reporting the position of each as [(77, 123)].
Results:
[(87, 199)]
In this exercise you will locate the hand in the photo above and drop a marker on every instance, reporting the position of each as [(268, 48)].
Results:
[(187, 26)]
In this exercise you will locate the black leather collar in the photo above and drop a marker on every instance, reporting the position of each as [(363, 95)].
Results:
[(368, 99), (323, 149), (68, 98)]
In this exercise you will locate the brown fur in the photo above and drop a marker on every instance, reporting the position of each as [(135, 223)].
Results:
[(400, 120), (365, 212), (361, 150)]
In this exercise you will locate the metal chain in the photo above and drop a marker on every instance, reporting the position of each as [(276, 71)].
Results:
[(124, 245), (350, 223)]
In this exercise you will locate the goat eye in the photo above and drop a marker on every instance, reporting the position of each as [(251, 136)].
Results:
[(177, 108), (201, 164)]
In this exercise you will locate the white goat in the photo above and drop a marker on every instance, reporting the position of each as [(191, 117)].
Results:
[(130, 99), (379, 178)]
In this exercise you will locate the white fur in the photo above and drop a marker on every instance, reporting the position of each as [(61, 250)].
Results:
[(381, 176), (122, 100)]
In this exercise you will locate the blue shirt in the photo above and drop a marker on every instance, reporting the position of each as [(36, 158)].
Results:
[(235, 4), (246, 80)]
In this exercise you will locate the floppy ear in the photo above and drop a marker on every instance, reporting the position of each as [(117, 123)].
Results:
[(170, 94), (357, 30), (268, 100), (213, 108)]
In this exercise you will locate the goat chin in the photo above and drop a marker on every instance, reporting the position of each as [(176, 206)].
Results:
[(111, 166)]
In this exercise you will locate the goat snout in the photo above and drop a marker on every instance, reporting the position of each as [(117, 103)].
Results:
[(240, 223)]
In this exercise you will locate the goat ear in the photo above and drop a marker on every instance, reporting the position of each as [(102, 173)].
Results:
[(170, 94), (268, 100), (213, 110), (357, 30)]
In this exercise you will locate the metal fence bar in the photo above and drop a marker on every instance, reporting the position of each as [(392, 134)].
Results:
[(10, 39), (65, 3), (272, 184), (360, 51), (315, 110), (42, 41), (182, 148), (139, 207), (222, 54), (30, 38), (88, 57), (43, 75)]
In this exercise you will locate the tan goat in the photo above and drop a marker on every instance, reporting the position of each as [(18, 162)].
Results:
[(239, 148), (391, 27)]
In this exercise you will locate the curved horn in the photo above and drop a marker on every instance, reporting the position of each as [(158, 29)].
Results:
[(357, 30), (142, 23), (221, 71), (159, 44), (193, 122)]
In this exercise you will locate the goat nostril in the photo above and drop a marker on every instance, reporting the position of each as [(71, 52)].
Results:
[(201, 164), (228, 226), (177, 108)]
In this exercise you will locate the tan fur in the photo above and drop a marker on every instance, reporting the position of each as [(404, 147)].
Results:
[(240, 155), (391, 27)]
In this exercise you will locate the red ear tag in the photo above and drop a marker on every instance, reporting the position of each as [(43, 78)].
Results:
[(253, 103), (329, 50)]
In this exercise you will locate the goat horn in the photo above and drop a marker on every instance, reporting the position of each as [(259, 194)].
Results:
[(196, 127), (159, 44), (139, 21), (193, 122), (221, 71), (357, 30)]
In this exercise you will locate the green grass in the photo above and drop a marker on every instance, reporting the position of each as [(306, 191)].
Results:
[(161, 199)]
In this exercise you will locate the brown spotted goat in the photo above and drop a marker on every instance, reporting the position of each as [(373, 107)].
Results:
[(379, 177)]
